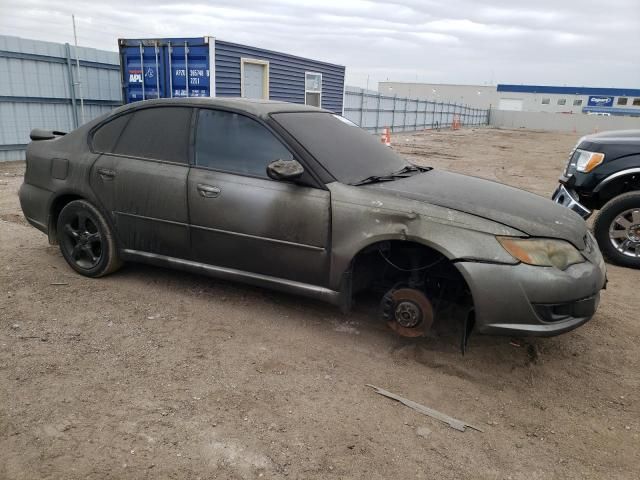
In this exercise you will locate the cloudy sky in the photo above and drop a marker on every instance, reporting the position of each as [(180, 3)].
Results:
[(552, 42)]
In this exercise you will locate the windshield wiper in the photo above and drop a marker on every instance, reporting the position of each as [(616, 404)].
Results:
[(412, 168), (402, 173)]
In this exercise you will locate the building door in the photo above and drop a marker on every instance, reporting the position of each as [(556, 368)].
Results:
[(255, 79), (510, 104)]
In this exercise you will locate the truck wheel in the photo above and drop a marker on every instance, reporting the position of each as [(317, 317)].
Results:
[(86, 241), (617, 229)]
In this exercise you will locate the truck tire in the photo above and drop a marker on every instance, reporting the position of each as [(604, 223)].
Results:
[(617, 230), (86, 241)]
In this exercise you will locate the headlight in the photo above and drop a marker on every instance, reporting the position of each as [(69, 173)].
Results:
[(542, 252), (587, 161)]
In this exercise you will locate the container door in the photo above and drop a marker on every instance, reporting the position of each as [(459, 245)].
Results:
[(143, 68), (165, 68), (190, 75)]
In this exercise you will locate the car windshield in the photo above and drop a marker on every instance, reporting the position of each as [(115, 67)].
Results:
[(348, 152)]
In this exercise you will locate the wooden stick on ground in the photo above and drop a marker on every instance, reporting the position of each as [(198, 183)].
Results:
[(452, 422)]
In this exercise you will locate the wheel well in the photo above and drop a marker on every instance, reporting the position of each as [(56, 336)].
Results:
[(54, 212), (618, 186), (388, 264)]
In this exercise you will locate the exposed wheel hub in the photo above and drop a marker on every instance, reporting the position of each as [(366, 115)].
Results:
[(408, 314), (407, 311)]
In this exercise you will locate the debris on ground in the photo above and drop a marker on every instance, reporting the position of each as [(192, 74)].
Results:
[(452, 422)]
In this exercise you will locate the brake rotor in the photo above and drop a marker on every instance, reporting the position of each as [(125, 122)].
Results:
[(407, 311)]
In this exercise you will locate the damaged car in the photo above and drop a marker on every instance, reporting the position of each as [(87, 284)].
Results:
[(301, 200)]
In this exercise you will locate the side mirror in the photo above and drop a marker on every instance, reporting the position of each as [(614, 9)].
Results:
[(284, 170)]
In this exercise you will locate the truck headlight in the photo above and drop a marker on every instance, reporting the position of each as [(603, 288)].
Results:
[(542, 252), (587, 161)]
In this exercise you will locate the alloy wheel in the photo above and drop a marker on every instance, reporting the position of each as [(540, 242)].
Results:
[(624, 232), (82, 241)]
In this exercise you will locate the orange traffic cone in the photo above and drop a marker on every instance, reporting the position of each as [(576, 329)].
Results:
[(386, 137)]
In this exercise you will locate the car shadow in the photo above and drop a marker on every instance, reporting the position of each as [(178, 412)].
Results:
[(440, 349)]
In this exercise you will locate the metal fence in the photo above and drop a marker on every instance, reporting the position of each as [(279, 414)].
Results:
[(374, 112), (41, 86)]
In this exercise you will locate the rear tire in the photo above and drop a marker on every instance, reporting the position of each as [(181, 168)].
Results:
[(86, 241), (617, 230)]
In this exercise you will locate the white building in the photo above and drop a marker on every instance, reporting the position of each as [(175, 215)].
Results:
[(528, 98)]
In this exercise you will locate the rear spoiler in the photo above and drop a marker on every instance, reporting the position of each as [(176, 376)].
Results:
[(42, 134)]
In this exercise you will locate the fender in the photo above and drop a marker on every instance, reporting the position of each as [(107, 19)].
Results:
[(610, 178), (364, 220)]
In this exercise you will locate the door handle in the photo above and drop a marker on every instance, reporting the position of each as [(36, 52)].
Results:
[(208, 191), (106, 174)]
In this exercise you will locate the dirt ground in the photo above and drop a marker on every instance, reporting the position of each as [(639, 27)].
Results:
[(152, 373)]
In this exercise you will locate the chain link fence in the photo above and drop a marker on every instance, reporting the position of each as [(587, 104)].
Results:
[(374, 112)]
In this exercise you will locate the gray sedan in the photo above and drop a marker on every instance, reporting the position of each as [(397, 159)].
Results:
[(299, 199)]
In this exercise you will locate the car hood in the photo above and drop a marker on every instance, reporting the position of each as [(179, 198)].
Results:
[(532, 214)]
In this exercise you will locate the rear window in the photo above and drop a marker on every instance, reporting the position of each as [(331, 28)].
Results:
[(160, 133), (347, 151), (107, 136)]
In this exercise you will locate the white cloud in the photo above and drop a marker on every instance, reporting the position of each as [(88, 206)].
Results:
[(464, 41)]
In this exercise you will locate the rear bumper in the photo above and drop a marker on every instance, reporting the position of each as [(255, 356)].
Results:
[(527, 300), (35, 202), (568, 198)]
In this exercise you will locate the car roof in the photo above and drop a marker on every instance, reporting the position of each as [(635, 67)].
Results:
[(256, 107)]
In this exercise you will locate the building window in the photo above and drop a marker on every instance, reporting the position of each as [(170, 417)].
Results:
[(562, 101), (622, 100), (546, 101), (577, 102), (313, 89)]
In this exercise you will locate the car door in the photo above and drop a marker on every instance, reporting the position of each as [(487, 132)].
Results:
[(242, 219), (140, 178)]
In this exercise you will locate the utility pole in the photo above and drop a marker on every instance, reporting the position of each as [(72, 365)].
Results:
[(75, 40)]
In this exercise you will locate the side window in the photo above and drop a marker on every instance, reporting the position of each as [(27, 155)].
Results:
[(235, 143), (107, 136), (160, 133)]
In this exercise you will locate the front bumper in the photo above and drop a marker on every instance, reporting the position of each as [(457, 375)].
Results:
[(568, 198), (528, 300)]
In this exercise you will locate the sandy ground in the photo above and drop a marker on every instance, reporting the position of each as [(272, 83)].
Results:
[(152, 373)]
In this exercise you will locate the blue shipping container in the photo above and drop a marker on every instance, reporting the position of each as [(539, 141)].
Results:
[(205, 66)]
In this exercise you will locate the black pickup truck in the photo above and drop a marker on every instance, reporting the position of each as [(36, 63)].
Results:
[(603, 173)]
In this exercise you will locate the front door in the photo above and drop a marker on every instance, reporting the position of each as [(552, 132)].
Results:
[(141, 178), (242, 219), (254, 79)]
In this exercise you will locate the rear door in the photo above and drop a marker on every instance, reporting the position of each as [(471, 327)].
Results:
[(141, 178), (242, 219)]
